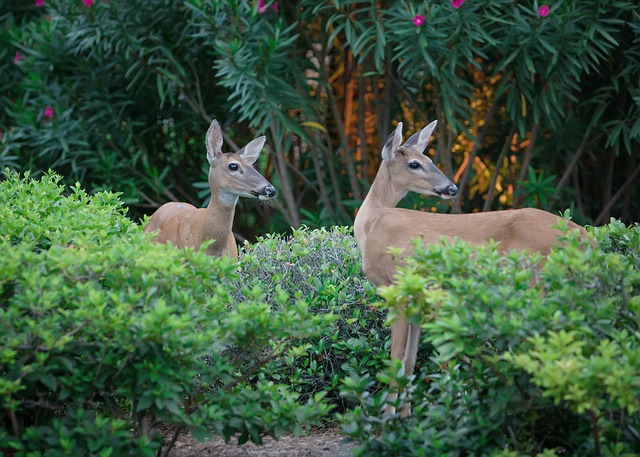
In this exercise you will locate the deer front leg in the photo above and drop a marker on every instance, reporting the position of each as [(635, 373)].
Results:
[(410, 356), (399, 334), (405, 338)]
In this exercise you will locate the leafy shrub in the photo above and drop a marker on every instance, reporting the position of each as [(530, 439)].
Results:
[(515, 369), (322, 268), (616, 237), (103, 333)]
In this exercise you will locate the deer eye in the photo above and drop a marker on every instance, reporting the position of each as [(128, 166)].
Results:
[(233, 167), (414, 165)]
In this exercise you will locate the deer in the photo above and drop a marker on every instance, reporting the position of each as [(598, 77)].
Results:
[(379, 225), (231, 175)]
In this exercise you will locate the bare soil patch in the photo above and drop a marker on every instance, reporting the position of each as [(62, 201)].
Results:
[(318, 443)]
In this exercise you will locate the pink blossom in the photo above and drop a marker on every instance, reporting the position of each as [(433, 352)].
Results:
[(17, 57), (48, 112), (262, 8), (457, 3), (38, 3), (88, 3), (543, 10), (418, 20)]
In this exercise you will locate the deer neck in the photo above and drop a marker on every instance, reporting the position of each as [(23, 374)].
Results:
[(218, 219), (384, 192)]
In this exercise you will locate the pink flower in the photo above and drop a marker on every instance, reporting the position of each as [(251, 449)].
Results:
[(88, 3), (457, 3), (543, 10), (38, 3), (17, 57), (262, 8), (48, 112), (418, 20)]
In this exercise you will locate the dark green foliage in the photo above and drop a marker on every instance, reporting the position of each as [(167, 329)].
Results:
[(103, 334), (127, 94), (134, 84), (515, 369)]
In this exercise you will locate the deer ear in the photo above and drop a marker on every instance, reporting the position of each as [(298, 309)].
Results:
[(419, 140), (214, 142), (252, 150), (392, 144)]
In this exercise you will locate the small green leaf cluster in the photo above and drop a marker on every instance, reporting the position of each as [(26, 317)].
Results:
[(521, 360), (322, 268), (107, 338)]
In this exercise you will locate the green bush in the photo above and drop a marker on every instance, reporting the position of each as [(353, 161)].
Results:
[(103, 334), (514, 369), (322, 268)]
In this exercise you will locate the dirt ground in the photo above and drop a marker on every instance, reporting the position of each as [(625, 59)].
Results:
[(318, 443)]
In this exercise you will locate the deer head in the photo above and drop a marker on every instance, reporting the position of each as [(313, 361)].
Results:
[(233, 173), (411, 168)]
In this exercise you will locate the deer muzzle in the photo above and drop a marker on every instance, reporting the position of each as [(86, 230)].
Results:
[(266, 193), (449, 191)]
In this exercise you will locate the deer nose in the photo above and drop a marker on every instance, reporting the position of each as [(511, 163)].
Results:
[(451, 190), (269, 191)]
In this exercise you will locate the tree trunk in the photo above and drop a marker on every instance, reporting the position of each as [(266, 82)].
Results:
[(604, 215), (526, 161), (494, 178), (482, 131), (344, 141), (290, 209)]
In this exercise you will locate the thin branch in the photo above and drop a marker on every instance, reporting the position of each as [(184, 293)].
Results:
[(631, 180), (362, 133), (626, 201), (14, 423), (255, 367), (444, 150), (40, 405), (389, 98), (324, 195), (172, 442), (608, 184), (593, 418), (572, 165), (99, 369)]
